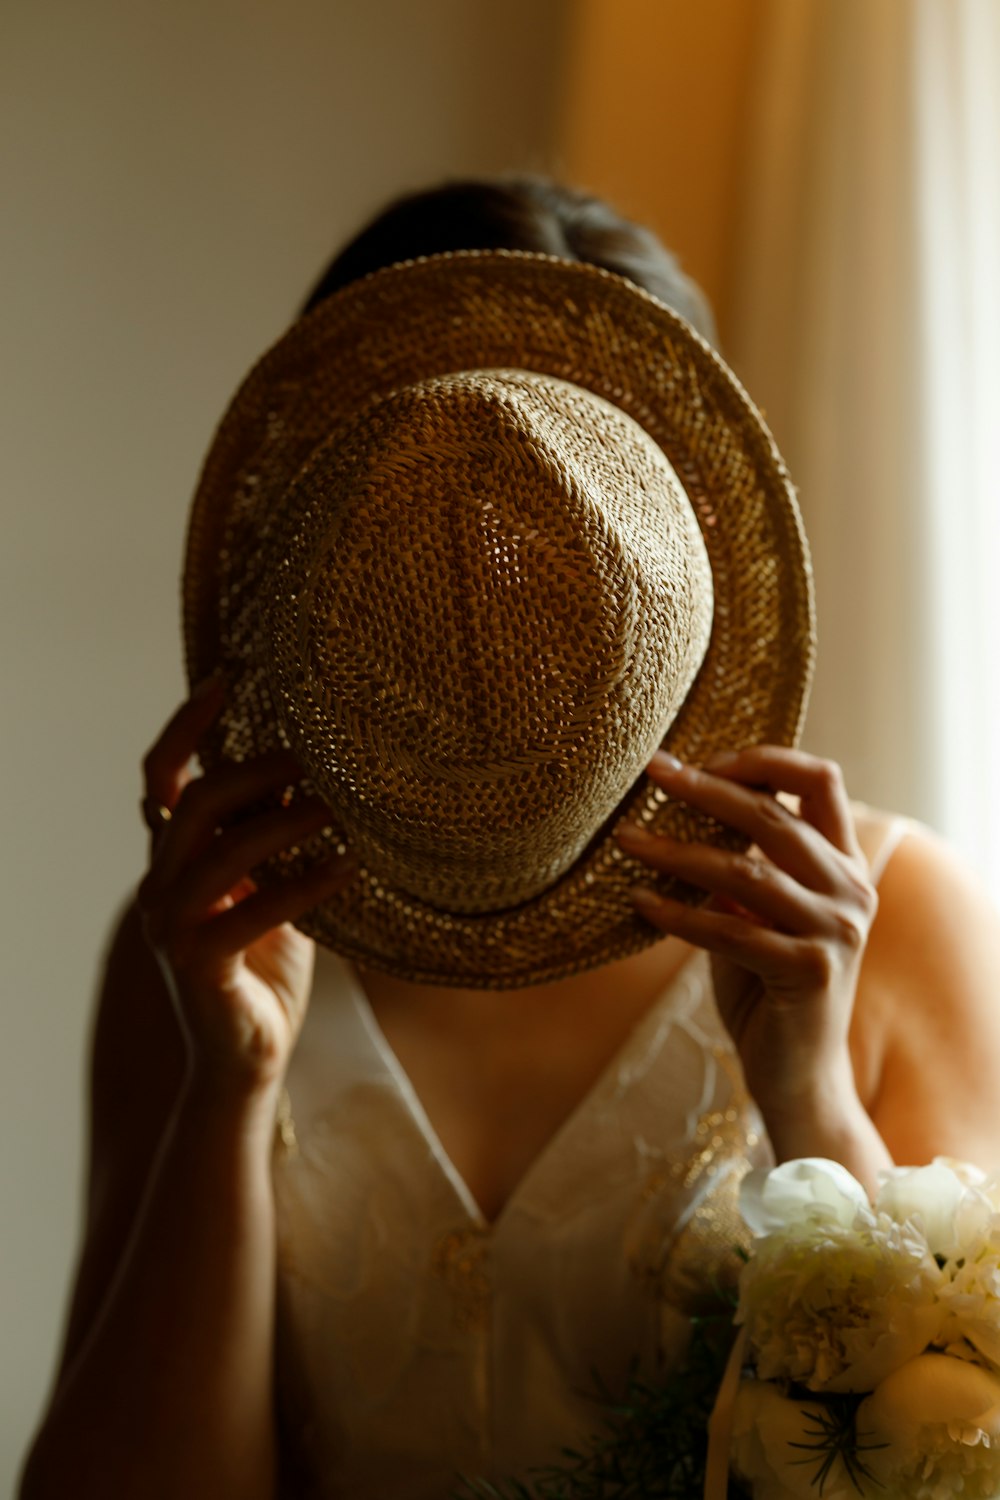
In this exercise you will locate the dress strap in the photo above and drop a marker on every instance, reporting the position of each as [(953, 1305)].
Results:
[(880, 835)]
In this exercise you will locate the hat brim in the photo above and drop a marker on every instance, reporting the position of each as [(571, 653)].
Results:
[(507, 310)]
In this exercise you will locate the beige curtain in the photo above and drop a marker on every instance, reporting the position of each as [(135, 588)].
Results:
[(825, 334), (957, 72), (865, 319), (846, 191)]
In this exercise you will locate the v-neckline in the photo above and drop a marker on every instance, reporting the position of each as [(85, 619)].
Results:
[(421, 1119)]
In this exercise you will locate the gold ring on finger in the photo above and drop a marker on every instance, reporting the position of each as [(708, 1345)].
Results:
[(154, 814)]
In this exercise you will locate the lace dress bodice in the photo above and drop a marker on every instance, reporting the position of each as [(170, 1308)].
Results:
[(417, 1342)]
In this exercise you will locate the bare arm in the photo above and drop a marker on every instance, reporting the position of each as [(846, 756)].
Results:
[(930, 1000), (869, 1029), (137, 1068), (787, 928), (166, 1383), (169, 1392)]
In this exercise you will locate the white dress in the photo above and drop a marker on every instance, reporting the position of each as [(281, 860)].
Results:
[(417, 1342)]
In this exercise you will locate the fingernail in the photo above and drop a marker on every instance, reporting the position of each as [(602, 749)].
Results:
[(313, 809), (664, 761), (719, 761), (632, 833), (335, 869), (206, 687), (644, 898)]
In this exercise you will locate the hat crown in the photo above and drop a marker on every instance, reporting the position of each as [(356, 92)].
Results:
[(413, 323), (489, 598)]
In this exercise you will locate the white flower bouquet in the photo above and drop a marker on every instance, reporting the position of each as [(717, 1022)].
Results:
[(866, 1362), (869, 1358)]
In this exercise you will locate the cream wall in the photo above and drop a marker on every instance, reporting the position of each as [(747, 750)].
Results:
[(172, 178)]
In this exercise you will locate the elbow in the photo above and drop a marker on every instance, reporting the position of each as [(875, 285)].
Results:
[(57, 1467), (51, 1472), (56, 1470), (37, 1480)]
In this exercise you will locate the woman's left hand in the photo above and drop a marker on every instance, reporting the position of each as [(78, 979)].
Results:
[(787, 923)]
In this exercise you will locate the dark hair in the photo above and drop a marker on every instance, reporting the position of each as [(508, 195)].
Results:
[(517, 213)]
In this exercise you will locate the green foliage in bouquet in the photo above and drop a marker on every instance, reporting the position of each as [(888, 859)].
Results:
[(654, 1442), (831, 1437)]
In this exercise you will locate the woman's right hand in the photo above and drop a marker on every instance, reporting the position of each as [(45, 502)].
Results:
[(239, 972)]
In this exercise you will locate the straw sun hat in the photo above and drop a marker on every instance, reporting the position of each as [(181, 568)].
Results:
[(474, 538)]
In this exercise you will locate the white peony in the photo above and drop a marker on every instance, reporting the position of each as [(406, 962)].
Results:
[(989, 1186), (767, 1432), (930, 1198), (971, 1295), (933, 1427), (966, 1171), (838, 1307), (808, 1188)]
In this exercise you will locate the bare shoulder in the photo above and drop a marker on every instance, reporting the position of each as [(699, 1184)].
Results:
[(136, 1070), (928, 1015)]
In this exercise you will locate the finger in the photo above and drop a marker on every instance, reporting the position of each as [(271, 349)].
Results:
[(165, 765), (222, 872), (819, 785), (790, 842), (156, 817), (209, 802), (235, 930), (758, 887), (744, 942), (242, 888)]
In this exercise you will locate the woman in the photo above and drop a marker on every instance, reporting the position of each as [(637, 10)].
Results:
[(864, 1023)]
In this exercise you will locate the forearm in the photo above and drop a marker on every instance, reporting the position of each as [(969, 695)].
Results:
[(171, 1395), (832, 1122)]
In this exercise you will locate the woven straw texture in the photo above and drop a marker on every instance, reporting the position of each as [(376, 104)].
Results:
[(456, 542)]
